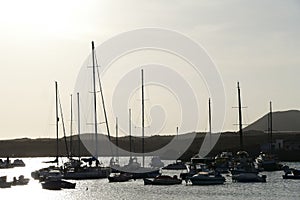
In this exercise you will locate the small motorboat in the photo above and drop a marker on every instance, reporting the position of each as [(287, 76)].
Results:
[(20, 181), (248, 177), (204, 178), (163, 180), (121, 177), (4, 183), (57, 184), (268, 162), (51, 174), (291, 173), (223, 162), (5, 164), (178, 165), (194, 169), (37, 174), (51, 185), (18, 163)]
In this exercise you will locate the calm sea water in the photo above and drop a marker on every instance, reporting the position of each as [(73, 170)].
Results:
[(275, 188)]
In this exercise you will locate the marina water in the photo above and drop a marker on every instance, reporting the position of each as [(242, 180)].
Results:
[(275, 187)]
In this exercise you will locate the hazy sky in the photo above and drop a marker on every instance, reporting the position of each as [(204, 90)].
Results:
[(255, 42)]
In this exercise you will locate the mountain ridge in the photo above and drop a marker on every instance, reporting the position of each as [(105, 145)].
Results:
[(282, 121)]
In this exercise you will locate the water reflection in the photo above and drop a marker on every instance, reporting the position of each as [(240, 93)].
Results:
[(275, 188)]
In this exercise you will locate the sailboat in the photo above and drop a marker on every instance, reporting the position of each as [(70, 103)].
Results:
[(144, 172), (267, 161), (72, 162), (200, 170), (117, 176), (178, 164), (97, 171), (45, 171), (244, 169), (134, 168), (51, 176)]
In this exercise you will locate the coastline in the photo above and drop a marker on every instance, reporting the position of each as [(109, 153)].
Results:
[(229, 141)]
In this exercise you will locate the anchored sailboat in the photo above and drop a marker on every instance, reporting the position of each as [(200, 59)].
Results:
[(267, 161), (244, 169), (97, 171), (133, 167)]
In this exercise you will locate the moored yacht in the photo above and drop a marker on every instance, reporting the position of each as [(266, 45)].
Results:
[(291, 173), (204, 178), (163, 180)]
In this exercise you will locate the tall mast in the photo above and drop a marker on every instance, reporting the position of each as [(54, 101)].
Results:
[(271, 128), (95, 102), (143, 122), (209, 121), (130, 134), (103, 104), (240, 117), (78, 119), (117, 141), (71, 128), (57, 120)]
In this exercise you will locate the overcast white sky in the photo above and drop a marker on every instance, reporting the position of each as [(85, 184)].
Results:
[(255, 42)]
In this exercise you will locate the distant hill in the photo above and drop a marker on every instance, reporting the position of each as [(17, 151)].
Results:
[(284, 121)]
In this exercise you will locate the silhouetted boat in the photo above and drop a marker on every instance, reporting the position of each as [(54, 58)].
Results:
[(205, 178), (163, 180), (57, 184), (243, 164), (51, 185), (248, 177), (20, 181), (244, 169), (43, 173), (178, 165), (18, 163), (5, 164), (291, 173), (50, 174), (119, 177), (133, 167), (82, 173), (268, 161), (4, 183), (96, 171), (195, 168), (223, 162)]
